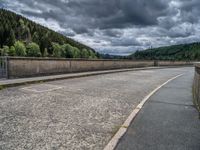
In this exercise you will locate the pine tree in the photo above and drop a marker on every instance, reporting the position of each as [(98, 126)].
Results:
[(11, 38)]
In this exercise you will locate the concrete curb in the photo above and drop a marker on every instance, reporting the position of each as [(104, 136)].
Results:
[(24, 81), (114, 141)]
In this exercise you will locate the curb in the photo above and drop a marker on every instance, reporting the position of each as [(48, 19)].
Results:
[(24, 81), (116, 138)]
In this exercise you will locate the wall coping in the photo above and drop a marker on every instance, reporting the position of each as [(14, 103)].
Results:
[(197, 64), (71, 59), (84, 59)]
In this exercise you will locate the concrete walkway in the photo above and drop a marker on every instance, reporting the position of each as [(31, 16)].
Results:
[(168, 121), (74, 114), (22, 81)]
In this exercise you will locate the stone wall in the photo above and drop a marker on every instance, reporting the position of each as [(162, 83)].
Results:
[(27, 67), (196, 86)]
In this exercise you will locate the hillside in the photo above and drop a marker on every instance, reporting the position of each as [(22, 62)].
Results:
[(175, 52), (18, 32)]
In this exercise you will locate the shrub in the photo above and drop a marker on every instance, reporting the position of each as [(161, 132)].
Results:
[(84, 53), (1, 50), (33, 50), (57, 50), (12, 51), (20, 48), (45, 54), (4, 51), (92, 55), (69, 51), (77, 53)]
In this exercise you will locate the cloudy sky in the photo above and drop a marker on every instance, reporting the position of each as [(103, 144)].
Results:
[(117, 27)]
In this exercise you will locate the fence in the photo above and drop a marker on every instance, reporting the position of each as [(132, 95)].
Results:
[(3, 67)]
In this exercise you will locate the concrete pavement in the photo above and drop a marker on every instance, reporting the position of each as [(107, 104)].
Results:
[(21, 81), (81, 113), (168, 121)]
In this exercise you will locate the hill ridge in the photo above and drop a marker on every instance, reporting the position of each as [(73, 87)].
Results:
[(15, 27)]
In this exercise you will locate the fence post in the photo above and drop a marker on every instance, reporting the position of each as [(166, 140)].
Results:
[(7, 67), (155, 63)]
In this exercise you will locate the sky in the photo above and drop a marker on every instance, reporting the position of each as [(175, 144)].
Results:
[(117, 27)]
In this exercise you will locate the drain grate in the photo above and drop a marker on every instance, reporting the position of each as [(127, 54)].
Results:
[(39, 88)]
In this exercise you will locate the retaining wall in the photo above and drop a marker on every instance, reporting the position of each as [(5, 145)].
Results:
[(196, 86), (27, 67)]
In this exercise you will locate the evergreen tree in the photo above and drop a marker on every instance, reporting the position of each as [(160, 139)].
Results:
[(14, 27), (11, 38)]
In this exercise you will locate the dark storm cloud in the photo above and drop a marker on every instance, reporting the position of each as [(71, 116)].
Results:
[(112, 33), (125, 42), (190, 11), (99, 13), (116, 26)]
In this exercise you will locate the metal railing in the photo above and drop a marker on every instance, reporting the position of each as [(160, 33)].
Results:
[(3, 67)]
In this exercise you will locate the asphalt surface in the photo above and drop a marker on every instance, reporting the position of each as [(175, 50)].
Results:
[(82, 113), (168, 121)]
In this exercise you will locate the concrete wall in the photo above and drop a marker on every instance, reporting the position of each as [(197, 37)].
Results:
[(196, 86), (26, 67), (173, 63)]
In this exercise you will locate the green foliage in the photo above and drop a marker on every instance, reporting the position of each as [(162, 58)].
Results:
[(33, 50), (14, 27), (85, 53), (57, 50), (12, 51), (77, 53), (20, 48), (92, 55), (45, 54), (69, 51), (4, 51), (11, 38), (186, 52)]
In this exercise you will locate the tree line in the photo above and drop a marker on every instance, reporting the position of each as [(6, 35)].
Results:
[(22, 37), (185, 52)]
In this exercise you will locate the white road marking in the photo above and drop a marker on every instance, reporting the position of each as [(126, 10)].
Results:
[(115, 139)]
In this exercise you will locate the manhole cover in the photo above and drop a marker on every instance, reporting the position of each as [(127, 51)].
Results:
[(42, 88)]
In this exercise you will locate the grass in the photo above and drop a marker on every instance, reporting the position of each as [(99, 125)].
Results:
[(1, 87), (115, 130)]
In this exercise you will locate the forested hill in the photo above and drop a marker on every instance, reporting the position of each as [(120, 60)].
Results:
[(175, 52), (20, 36)]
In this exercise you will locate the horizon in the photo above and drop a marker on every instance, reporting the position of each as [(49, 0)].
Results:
[(118, 31)]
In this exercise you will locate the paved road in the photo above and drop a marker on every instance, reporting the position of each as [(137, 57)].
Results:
[(82, 113), (168, 121)]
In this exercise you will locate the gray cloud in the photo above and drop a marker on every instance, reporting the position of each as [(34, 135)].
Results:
[(125, 42), (116, 26)]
